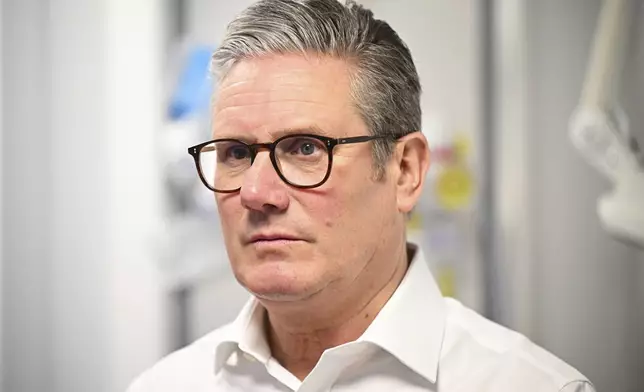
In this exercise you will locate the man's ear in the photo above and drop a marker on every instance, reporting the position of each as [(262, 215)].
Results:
[(412, 158)]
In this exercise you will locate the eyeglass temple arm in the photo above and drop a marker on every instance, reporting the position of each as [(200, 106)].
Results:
[(359, 139)]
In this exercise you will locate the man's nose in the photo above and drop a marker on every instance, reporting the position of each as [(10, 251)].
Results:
[(262, 189)]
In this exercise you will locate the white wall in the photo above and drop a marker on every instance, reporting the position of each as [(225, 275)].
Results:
[(207, 20), (442, 36), (512, 167), (1, 191), (26, 200), (134, 112), (633, 98), (584, 289), (78, 197), (83, 305)]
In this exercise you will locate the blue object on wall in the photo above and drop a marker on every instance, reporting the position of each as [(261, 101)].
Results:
[(192, 93)]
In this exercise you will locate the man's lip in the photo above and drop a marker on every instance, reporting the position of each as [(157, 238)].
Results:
[(273, 237)]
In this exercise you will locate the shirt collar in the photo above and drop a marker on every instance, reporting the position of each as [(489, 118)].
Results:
[(410, 326), (245, 333)]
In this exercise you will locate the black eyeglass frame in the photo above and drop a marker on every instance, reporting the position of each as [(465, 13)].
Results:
[(329, 142)]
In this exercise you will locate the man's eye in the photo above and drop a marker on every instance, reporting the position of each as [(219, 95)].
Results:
[(307, 148), (303, 146), (238, 152)]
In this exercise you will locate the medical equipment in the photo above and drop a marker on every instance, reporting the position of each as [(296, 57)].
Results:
[(599, 128)]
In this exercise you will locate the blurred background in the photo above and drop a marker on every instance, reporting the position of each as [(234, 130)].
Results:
[(110, 250)]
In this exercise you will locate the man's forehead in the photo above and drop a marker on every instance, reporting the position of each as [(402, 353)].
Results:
[(285, 69), (284, 79), (282, 90)]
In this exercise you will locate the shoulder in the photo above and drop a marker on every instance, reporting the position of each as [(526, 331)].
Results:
[(502, 356), (178, 370)]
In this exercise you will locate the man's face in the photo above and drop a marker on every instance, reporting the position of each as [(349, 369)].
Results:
[(285, 243)]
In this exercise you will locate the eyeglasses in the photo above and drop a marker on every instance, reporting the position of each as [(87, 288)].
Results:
[(302, 160)]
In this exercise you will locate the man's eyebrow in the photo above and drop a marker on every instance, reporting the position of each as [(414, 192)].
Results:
[(247, 138), (312, 129)]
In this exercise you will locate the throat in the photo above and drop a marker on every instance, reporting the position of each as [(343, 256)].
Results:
[(299, 352), (298, 346)]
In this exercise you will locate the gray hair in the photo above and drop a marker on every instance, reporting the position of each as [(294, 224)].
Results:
[(384, 81)]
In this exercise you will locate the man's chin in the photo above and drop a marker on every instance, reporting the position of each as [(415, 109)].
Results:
[(274, 296), (281, 293), (279, 280)]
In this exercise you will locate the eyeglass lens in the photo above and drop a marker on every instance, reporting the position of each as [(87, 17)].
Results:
[(301, 160)]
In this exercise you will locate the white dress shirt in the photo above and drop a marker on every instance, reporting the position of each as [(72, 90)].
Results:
[(419, 341)]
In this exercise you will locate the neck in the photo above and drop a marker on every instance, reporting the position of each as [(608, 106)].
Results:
[(298, 338)]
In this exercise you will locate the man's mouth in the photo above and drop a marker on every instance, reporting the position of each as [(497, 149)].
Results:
[(273, 238)]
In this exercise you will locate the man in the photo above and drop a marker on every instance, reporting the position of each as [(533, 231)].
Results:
[(315, 162)]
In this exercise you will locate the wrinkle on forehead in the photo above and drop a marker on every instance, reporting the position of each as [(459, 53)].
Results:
[(294, 73), (282, 87)]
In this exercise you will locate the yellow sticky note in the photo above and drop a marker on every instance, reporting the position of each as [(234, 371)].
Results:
[(454, 187)]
